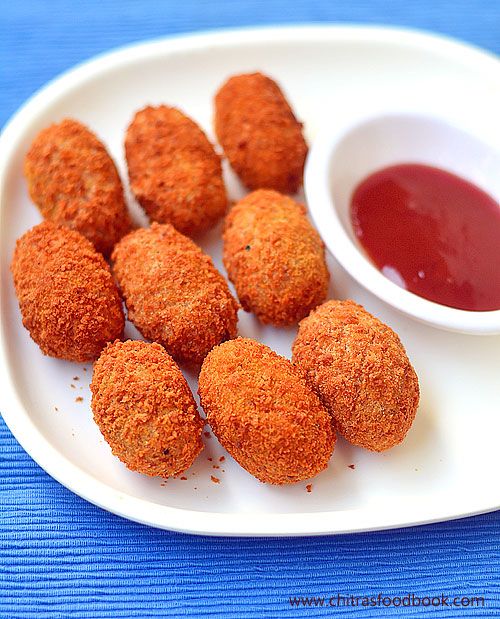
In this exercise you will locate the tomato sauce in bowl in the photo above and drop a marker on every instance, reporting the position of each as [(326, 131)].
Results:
[(431, 232)]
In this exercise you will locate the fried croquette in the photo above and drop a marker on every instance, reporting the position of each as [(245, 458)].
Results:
[(173, 292), (74, 182), (259, 133), (68, 299), (174, 171), (360, 370), (264, 413), (145, 409), (275, 258)]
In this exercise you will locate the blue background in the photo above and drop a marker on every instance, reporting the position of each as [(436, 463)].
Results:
[(61, 557)]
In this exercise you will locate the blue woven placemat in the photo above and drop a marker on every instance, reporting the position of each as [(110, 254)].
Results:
[(61, 557)]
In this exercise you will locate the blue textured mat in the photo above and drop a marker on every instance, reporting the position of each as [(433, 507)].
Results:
[(60, 556)]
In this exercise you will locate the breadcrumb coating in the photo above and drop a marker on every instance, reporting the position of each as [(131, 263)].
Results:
[(145, 409), (264, 413), (68, 299), (275, 258), (173, 292), (174, 171), (74, 182), (361, 372), (259, 133)]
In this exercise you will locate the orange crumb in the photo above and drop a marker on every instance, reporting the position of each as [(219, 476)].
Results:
[(287, 436), (184, 478), (207, 434), (160, 435), (216, 480), (210, 459), (259, 133), (76, 378), (174, 171), (79, 399), (351, 466), (74, 182), (221, 459), (309, 487), (205, 312), (257, 264), (374, 412)]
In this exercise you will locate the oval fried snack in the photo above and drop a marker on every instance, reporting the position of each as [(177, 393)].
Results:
[(275, 258), (361, 372), (68, 299), (264, 413), (259, 133), (74, 182), (173, 292), (145, 409), (174, 172)]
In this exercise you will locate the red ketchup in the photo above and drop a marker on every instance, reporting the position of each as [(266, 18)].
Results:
[(433, 233)]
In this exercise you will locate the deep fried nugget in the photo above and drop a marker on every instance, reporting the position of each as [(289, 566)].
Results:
[(275, 258), (173, 292), (73, 181), (360, 370), (264, 413), (174, 171), (68, 299), (259, 133), (145, 409)]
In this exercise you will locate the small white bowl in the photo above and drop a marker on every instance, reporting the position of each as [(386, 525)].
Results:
[(341, 158)]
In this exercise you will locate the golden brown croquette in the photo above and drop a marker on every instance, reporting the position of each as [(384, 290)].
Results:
[(174, 171), (74, 182), (68, 299), (259, 133), (264, 413), (360, 370), (173, 292), (145, 409), (275, 258)]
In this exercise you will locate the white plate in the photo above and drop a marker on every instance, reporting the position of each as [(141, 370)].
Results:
[(449, 464)]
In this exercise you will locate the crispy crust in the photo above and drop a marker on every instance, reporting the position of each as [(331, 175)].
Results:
[(264, 413), (275, 258), (259, 133), (174, 171), (360, 370), (173, 292), (68, 299), (74, 182), (145, 409)]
